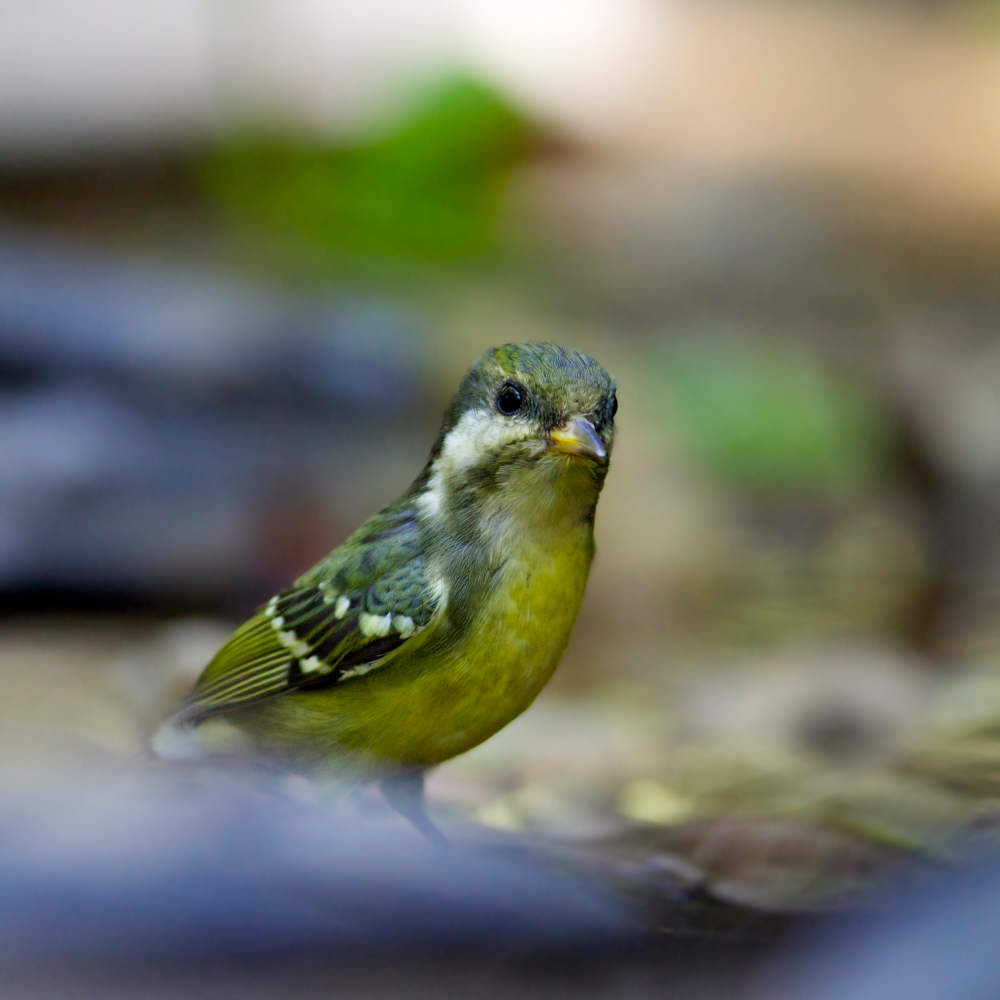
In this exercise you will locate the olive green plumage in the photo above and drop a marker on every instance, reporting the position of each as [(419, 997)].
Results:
[(440, 619)]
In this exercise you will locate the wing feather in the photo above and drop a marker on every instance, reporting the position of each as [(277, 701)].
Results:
[(347, 616)]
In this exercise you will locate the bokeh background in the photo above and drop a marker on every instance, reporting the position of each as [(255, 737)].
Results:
[(247, 250)]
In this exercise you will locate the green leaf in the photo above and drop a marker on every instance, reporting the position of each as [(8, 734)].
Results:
[(428, 188), (770, 418)]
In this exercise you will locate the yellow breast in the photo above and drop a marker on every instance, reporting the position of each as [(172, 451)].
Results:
[(499, 668)]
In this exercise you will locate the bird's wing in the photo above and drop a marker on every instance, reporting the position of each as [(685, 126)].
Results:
[(344, 618)]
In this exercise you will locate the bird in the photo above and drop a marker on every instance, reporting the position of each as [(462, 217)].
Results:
[(442, 617)]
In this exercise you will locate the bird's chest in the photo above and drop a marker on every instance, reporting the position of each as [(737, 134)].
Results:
[(527, 619), (513, 644)]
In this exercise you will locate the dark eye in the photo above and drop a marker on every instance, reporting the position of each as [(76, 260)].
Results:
[(509, 399), (614, 405)]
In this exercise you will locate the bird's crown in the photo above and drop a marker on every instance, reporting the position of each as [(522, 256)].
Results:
[(553, 382)]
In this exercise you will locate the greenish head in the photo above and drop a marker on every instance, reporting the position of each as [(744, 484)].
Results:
[(525, 415), (554, 384)]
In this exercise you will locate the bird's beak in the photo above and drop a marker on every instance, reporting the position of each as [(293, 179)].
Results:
[(579, 437)]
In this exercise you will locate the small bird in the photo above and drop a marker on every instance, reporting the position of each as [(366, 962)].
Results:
[(442, 617)]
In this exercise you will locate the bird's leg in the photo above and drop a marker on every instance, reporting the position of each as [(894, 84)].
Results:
[(404, 791)]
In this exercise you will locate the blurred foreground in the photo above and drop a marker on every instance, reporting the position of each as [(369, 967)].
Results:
[(154, 881)]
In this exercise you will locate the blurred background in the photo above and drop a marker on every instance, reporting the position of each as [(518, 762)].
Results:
[(248, 249)]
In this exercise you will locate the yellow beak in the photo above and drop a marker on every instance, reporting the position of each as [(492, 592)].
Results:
[(579, 437)]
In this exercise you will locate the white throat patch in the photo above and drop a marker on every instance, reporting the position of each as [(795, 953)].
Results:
[(478, 431)]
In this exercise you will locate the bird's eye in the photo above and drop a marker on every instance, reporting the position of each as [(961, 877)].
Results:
[(614, 405), (509, 399)]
